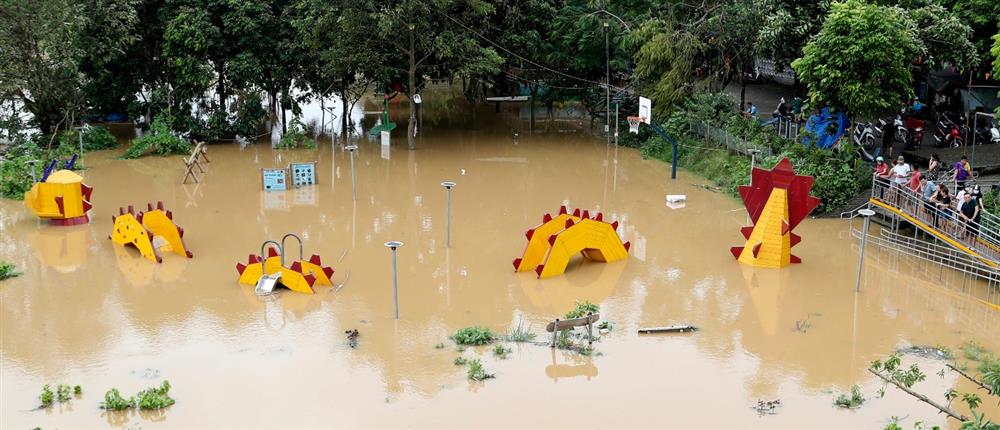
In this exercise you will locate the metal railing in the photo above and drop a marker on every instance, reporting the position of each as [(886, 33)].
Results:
[(724, 138), (981, 237)]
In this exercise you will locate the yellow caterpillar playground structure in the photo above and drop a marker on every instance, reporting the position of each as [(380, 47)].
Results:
[(300, 276), (149, 232), (557, 239)]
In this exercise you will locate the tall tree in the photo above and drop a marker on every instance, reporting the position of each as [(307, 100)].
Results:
[(860, 60), (946, 39), (436, 39)]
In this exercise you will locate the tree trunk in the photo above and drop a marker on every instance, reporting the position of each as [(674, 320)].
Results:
[(411, 141), (344, 132), (531, 107), (743, 92), (221, 71)]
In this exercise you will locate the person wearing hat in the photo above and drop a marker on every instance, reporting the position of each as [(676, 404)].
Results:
[(900, 175), (881, 176)]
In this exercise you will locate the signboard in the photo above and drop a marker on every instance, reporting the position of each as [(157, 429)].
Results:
[(303, 173), (385, 145), (273, 179)]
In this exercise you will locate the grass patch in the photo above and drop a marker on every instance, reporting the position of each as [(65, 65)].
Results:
[(113, 401), (461, 361), (855, 400), (520, 333), (473, 336), (501, 351), (150, 398), (582, 309), (476, 371), (63, 393), (7, 270), (47, 396)]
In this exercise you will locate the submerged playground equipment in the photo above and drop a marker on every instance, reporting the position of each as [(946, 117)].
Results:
[(149, 232), (266, 274), (557, 239), (61, 196), (777, 201)]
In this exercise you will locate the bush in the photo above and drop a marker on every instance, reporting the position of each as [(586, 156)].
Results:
[(582, 309), (114, 401), (855, 400), (63, 393), (155, 398), (15, 173), (161, 140), (476, 371), (296, 137), (95, 138), (47, 396), (473, 336), (7, 270)]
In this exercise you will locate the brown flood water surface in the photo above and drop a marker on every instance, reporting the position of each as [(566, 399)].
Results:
[(90, 313)]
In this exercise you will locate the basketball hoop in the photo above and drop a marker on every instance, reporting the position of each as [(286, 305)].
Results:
[(633, 123)]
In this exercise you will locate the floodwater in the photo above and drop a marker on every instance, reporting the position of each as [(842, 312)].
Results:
[(90, 313)]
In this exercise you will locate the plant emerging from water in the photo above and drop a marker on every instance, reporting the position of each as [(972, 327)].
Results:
[(501, 351), (161, 140), (473, 336), (582, 309), (150, 398), (476, 371), (520, 333), (47, 396), (113, 401), (296, 137), (78, 390), (855, 400), (461, 361), (7, 270), (63, 393), (439, 346)]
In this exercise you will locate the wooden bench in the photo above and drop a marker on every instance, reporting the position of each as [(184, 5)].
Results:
[(558, 325), (193, 161)]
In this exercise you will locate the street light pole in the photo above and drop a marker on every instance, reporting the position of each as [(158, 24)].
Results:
[(607, 83), (395, 285), (867, 213), (354, 180), (448, 185)]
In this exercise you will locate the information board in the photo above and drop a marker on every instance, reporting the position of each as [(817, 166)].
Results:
[(303, 173), (274, 179)]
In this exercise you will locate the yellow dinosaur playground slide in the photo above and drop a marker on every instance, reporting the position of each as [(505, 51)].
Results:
[(300, 276), (149, 232), (557, 239)]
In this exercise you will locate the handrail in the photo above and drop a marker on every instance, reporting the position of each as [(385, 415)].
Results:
[(984, 245)]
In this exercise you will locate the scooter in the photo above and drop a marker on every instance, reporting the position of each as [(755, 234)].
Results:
[(994, 134), (867, 134)]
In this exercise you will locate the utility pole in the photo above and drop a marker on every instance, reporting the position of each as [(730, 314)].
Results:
[(607, 83)]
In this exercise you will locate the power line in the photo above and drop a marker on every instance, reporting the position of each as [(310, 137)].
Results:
[(520, 57)]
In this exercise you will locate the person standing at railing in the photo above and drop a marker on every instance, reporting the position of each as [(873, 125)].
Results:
[(900, 177), (970, 217), (881, 178), (934, 167), (942, 207), (962, 172), (927, 188)]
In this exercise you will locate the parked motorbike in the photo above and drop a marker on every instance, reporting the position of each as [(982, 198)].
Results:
[(867, 135), (994, 134)]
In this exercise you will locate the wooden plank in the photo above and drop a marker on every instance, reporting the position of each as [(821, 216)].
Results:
[(575, 322), (668, 329)]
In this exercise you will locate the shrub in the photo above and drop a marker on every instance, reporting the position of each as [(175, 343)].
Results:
[(296, 137), (63, 393), (155, 398), (520, 333), (850, 402), (461, 361), (476, 371), (501, 351), (582, 309), (78, 390), (95, 138), (161, 140), (47, 396), (473, 336), (15, 172), (7, 270), (114, 401)]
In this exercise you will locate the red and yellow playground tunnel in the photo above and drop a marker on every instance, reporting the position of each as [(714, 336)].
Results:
[(554, 242)]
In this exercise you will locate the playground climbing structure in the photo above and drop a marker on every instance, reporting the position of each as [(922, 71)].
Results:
[(149, 232), (61, 197), (300, 276), (552, 243), (777, 201)]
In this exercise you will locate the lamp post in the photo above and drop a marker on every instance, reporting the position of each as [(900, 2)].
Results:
[(753, 162), (354, 179), (448, 185), (607, 83), (79, 133), (867, 213), (395, 285)]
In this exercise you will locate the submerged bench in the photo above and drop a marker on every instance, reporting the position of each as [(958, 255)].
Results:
[(199, 153)]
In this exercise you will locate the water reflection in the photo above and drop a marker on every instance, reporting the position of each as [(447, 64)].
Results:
[(61, 248)]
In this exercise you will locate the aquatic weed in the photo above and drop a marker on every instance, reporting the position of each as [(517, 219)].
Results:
[(78, 390), (474, 335), (155, 397), (439, 346), (63, 393), (476, 371), (520, 333), (47, 396), (461, 361), (582, 309), (7, 271), (114, 401), (501, 351), (853, 401)]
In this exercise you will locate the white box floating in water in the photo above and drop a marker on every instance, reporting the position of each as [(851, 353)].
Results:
[(676, 198)]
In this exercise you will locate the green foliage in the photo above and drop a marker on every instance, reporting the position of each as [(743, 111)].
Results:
[(582, 309), (501, 351), (161, 140), (996, 61), (520, 333), (473, 336), (605, 325), (77, 390), (461, 361), (439, 346), (114, 401), (7, 270), (476, 372), (296, 137), (63, 393), (860, 60), (853, 401), (47, 396), (155, 397), (95, 138), (945, 37)]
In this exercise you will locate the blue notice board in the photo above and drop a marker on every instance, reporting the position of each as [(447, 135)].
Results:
[(274, 179), (303, 173)]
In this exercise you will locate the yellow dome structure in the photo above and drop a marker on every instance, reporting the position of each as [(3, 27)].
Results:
[(62, 198)]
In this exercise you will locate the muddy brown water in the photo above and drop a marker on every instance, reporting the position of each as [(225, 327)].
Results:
[(90, 313)]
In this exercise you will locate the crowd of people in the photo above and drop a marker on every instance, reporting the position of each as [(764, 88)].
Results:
[(927, 195)]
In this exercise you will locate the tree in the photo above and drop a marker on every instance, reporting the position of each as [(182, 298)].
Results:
[(996, 61), (788, 26), (860, 60), (436, 39), (946, 39)]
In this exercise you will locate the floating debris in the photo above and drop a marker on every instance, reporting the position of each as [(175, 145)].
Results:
[(767, 407), (668, 329), (352, 338)]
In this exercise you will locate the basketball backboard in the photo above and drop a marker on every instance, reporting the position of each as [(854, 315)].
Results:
[(645, 109)]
